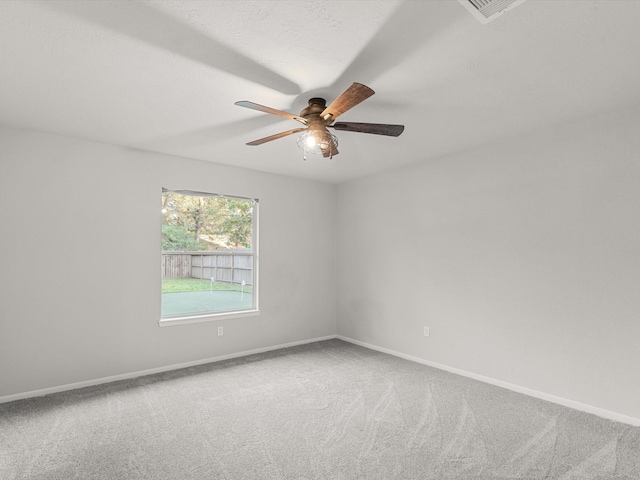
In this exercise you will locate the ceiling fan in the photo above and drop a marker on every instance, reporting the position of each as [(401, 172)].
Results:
[(318, 117)]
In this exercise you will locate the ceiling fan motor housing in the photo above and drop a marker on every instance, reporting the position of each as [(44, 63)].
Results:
[(317, 125), (315, 108)]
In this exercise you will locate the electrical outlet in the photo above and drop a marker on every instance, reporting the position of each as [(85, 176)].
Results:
[(426, 331), (220, 331)]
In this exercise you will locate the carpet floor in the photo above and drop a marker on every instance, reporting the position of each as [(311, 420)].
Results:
[(327, 410)]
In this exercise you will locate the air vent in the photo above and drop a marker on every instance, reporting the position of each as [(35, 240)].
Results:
[(487, 10)]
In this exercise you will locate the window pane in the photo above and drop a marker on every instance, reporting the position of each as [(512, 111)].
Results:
[(208, 254)]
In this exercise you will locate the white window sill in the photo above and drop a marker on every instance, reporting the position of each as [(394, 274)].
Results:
[(209, 317)]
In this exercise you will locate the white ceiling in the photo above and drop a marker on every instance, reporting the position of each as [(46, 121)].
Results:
[(164, 75)]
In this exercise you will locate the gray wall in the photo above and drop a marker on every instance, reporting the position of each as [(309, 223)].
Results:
[(63, 200), (523, 258)]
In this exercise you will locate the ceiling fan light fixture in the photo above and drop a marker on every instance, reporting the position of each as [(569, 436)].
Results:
[(317, 141)]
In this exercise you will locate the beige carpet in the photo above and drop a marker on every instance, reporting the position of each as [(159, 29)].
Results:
[(327, 410)]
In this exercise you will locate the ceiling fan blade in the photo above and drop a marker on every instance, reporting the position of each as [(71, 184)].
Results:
[(351, 97), (276, 136), (272, 111), (375, 128)]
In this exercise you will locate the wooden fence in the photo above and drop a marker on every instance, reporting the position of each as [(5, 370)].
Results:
[(223, 266)]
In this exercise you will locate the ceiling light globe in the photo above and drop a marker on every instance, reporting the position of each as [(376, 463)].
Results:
[(313, 141)]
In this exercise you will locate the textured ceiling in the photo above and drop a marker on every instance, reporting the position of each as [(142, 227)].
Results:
[(163, 76)]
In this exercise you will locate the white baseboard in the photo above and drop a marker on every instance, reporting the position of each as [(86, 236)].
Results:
[(600, 412), (128, 376)]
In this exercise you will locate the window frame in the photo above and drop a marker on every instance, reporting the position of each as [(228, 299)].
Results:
[(182, 319)]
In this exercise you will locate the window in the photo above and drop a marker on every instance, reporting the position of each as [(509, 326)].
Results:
[(209, 256)]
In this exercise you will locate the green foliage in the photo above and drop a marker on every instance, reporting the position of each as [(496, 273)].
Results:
[(190, 222), (177, 238), (237, 222)]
